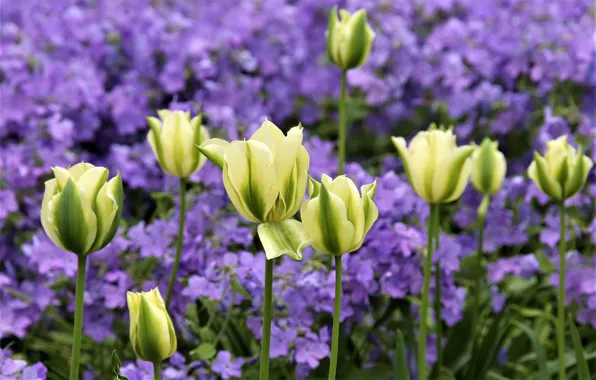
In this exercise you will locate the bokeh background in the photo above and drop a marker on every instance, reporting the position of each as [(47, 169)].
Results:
[(78, 78)]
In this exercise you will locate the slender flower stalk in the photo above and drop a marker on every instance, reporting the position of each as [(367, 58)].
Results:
[(336, 318), (266, 333), (437, 303), (179, 242), (561, 298), (157, 371), (432, 225), (342, 124), (78, 321)]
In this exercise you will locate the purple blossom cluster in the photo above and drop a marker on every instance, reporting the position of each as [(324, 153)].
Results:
[(77, 80)]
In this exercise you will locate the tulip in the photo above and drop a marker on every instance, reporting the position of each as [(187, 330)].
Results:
[(151, 330), (173, 140), (349, 38), (80, 213), (488, 168), (336, 219), (562, 172), (265, 178), (436, 167)]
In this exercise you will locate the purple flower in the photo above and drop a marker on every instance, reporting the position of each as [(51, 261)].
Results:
[(226, 367)]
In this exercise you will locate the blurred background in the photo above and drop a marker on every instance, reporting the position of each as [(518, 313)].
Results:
[(78, 78)]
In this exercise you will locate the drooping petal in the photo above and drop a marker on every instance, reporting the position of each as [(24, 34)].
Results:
[(213, 150), (283, 238)]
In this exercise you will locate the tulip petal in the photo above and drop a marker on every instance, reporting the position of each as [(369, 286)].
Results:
[(539, 173), (286, 167), (213, 150), (371, 212), (91, 181), (577, 178), (154, 138), (251, 172), (270, 135), (133, 300), (62, 176), (416, 177), (449, 182), (283, 238), (79, 169), (356, 45), (171, 135), (345, 188), (75, 220), (51, 189), (326, 223), (331, 33), (200, 135), (108, 212)]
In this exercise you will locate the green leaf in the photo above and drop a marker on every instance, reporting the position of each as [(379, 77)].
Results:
[(538, 349), (240, 289), (206, 334), (402, 372), (583, 371), (116, 367), (545, 265), (204, 351)]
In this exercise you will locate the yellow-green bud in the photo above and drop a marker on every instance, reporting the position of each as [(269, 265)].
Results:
[(349, 38), (488, 168), (80, 211), (335, 216), (265, 177), (562, 172), (151, 330), (437, 168), (173, 140)]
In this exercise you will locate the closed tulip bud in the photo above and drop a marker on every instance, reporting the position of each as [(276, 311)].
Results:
[(335, 216), (349, 38), (265, 177), (173, 140), (151, 330), (436, 167), (488, 168), (562, 172), (80, 211)]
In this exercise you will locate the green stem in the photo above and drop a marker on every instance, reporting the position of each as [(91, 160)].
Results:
[(342, 125), (561, 307), (266, 334), (178, 241), (336, 315), (78, 321), (482, 209), (434, 208), (157, 371), (437, 303)]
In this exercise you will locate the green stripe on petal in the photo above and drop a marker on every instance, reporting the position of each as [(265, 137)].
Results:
[(449, 182), (577, 178), (356, 45), (540, 174), (283, 238), (154, 138), (108, 212), (371, 212), (75, 220), (51, 190)]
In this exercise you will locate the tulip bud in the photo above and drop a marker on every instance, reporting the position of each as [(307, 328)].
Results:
[(151, 330), (265, 177), (80, 211), (335, 216), (488, 168), (349, 38), (173, 140), (436, 167), (562, 172)]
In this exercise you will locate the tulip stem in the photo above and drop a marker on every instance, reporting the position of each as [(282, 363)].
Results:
[(434, 209), (157, 371), (342, 124), (561, 306), (266, 333), (437, 302), (336, 317), (78, 321), (179, 240)]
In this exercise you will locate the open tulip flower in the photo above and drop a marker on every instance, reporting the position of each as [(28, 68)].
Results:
[(437, 168), (265, 178), (80, 211), (562, 172)]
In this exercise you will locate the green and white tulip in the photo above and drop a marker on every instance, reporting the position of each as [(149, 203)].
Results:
[(336, 217), (151, 330), (562, 172), (173, 140), (81, 210), (349, 38), (437, 168), (488, 168)]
